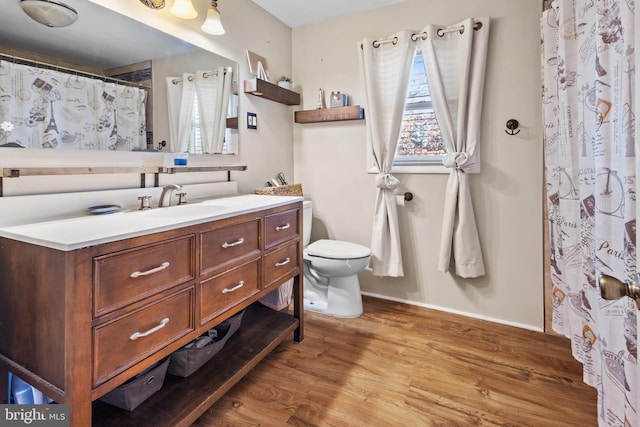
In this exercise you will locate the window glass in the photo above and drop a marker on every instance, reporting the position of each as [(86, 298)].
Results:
[(195, 137), (420, 141)]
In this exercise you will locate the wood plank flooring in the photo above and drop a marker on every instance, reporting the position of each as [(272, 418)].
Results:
[(401, 365)]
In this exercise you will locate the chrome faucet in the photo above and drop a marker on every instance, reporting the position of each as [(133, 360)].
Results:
[(168, 189)]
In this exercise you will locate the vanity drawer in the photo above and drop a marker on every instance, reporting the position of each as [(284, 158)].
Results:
[(280, 227), (223, 245), (222, 292), (279, 264), (119, 344), (129, 276)]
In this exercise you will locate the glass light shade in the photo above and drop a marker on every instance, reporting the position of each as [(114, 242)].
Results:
[(212, 24), (183, 9), (49, 12)]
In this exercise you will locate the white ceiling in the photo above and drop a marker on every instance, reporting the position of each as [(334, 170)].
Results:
[(296, 13)]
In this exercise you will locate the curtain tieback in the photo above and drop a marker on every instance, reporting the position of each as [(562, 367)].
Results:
[(386, 181), (456, 160)]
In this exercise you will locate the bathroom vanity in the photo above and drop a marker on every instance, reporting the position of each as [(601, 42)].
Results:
[(89, 302)]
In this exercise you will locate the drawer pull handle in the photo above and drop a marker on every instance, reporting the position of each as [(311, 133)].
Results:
[(283, 227), (235, 288), (285, 262), (134, 336), (161, 267), (236, 243)]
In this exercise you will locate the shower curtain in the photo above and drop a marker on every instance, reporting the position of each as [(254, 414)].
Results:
[(588, 96), (212, 89), (50, 109)]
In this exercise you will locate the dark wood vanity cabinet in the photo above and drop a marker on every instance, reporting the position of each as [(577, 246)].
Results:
[(76, 324)]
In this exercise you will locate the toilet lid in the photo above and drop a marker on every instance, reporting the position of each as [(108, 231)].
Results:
[(337, 249)]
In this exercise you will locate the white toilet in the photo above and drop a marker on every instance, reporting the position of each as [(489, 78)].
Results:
[(331, 269)]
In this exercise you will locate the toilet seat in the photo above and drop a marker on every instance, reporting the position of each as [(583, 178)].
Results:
[(337, 249)]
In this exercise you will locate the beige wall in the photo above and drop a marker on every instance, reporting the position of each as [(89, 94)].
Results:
[(329, 161), (266, 151), (329, 158)]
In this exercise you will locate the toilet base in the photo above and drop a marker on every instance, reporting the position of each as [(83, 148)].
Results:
[(340, 298), (318, 309)]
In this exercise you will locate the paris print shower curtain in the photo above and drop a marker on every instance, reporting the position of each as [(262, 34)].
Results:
[(43, 108), (588, 97)]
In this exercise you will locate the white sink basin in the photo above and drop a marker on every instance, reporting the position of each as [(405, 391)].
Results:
[(183, 211), (240, 202), (75, 233)]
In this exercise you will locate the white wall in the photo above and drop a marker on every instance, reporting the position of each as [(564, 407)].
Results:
[(266, 151), (329, 161)]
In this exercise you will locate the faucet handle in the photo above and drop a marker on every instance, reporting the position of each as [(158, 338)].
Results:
[(182, 198), (144, 203)]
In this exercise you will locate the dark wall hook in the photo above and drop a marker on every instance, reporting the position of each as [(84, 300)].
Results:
[(512, 125)]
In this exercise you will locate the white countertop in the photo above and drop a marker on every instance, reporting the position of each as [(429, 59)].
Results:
[(75, 233)]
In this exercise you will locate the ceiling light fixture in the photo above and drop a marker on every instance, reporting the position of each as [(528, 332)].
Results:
[(50, 13), (212, 24), (153, 4), (183, 9)]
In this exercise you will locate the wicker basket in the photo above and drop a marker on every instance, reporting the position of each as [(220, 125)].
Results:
[(282, 190)]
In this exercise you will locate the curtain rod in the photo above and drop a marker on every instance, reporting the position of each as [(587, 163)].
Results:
[(206, 75), (40, 64), (414, 37)]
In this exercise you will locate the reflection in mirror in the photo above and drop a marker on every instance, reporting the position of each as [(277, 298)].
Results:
[(54, 92)]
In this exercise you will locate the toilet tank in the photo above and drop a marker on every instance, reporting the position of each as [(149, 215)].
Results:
[(307, 217)]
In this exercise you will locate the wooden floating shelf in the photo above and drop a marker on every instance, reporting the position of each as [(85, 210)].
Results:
[(273, 92), (232, 123), (9, 173), (354, 112), (18, 172), (179, 169)]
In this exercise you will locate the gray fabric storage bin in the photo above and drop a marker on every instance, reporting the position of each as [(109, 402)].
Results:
[(186, 361), (279, 298), (131, 394)]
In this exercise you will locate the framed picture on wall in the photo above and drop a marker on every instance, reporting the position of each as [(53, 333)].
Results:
[(258, 65)]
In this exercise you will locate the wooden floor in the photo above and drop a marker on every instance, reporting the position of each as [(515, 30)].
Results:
[(400, 365)]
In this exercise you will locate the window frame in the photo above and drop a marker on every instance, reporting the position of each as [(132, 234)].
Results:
[(411, 164)]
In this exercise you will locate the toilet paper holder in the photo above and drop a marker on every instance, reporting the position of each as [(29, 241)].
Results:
[(408, 196)]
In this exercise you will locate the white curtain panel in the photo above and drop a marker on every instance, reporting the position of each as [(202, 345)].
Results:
[(181, 93), (386, 70), (455, 59), (56, 110), (588, 98), (174, 100), (213, 89), (225, 81)]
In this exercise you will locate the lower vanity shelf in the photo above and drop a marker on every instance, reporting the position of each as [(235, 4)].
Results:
[(182, 400)]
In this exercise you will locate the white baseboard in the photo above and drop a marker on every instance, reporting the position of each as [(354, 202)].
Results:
[(458, 312)]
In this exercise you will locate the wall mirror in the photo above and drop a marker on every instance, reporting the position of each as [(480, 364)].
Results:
[(59, 101)]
